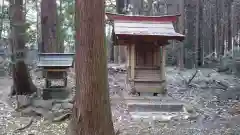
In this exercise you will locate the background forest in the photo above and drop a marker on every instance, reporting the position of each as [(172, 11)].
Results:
[(211, 26)]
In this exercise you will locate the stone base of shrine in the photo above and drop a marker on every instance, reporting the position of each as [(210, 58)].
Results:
[(162, 108)]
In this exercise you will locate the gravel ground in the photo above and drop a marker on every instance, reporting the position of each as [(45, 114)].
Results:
[(215, 99)]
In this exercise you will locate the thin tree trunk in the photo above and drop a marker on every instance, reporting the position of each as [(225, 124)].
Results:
[(217, 16), (39, 31), (197, 44), (229, 47), (181, 28), (120, 6), (120, 52), (91, 112), (2, 18), (149, 8), (223, 30), (37, 24), (212, 41), (110, 45), (166, 7), (201, 41)]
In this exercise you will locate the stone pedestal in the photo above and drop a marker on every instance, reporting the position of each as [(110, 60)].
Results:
[(55, 93), (2, 59)]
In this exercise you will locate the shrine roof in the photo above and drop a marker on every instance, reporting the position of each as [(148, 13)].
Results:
[(160, 26), (56, 60)]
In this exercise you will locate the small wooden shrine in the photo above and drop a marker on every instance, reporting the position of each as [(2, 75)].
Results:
[(55, 66), (145, 39)]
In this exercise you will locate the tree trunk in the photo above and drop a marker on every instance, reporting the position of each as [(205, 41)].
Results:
[(199, 46), (91, 112), (110, 46), (223, 30), (118, 54), (37, 24), (49, 24), (120, 6), (116, 49), (216, 26), (2, 18), (22, 82), (181, 29), (137, 7), (60, 34), (229, 25), (166, 7), (149, 8), (212, 39)]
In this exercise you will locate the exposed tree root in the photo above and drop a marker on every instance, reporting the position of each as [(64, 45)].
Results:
[(62, 117), (23, 84), (25, 127)]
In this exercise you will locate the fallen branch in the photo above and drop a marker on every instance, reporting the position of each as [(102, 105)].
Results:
[(190, 80), (210, 55), (25, 127)]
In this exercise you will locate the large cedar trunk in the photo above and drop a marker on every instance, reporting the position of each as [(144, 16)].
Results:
[(49, 26), (91, 112), (22, 82)]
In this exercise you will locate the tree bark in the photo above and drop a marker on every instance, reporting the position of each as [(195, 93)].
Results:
[(116, 49), (229, 25), (22, 82), (217, 16), (119, 53), (199, 46), (181, 29), (149, 8), (49, 24), (91, 112), (60, 33), (120, 6), (2, 18), (37, 24), (137, 7)]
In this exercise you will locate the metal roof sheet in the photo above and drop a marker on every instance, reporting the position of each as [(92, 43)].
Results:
[(56, 60), (145, 28)]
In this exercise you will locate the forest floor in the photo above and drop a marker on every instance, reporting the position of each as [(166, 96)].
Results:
[(214, 96)]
